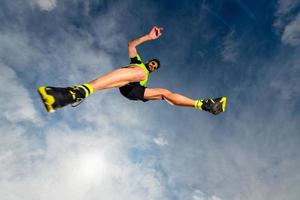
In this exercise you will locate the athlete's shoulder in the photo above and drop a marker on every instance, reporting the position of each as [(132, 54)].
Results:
[(136, 60)]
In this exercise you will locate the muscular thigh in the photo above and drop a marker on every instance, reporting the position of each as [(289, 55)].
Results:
[(155, 93)]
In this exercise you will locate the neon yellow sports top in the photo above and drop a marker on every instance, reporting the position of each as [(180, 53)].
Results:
[(137, 61)]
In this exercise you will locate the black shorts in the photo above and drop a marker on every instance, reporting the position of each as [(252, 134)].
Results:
[(133, 91)]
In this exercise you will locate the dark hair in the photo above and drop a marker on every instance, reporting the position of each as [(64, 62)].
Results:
[(157, 61)]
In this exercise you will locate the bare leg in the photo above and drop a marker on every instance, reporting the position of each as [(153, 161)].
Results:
[(118, 78), (170, 97)]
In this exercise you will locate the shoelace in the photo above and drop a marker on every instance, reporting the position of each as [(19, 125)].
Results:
[(77, 103), (207, 105), (74, 92)]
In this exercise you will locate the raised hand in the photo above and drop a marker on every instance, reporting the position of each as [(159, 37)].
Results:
[(155, 33)]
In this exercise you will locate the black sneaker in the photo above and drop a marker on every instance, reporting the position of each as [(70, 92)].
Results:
[(214, 106), (55, 97)]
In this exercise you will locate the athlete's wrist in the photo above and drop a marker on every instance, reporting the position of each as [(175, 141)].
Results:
[(151, 36)]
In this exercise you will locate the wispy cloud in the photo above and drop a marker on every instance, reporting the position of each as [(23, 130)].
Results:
[(160, 141), (246, 9), (86, 152), (230, 48), (285, 6), (16, 104), (216, 15), (291, 34), (59, 161), (285, 81), (73, 165), (287, 21), (198, 195), (47, 5)]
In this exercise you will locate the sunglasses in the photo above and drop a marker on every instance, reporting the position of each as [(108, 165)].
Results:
[(153, 63)]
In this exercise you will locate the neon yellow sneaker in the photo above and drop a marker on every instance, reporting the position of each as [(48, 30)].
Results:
[(214, 106), (55, 97)]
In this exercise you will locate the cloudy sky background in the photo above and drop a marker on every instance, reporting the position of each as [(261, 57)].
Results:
[(111, 148)]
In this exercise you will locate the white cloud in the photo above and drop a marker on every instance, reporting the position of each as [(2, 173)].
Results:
[(16, 48), (291, 34), (74, 165), (284, 7), (230, 49), (287, 21), (160, 141), (47, 5), (215, 198), (287, 88), (89, 159), (286, 80), (199, 195), (16, 104), (59, 162), (11, 148)]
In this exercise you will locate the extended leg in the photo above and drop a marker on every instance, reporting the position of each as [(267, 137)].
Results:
[(172, 98), (55, 97), (214, 106)]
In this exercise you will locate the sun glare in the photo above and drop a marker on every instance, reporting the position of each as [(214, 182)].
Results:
[(92, 166)]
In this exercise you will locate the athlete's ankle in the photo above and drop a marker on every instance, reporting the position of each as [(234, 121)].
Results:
[(86, 88), (198, 104)]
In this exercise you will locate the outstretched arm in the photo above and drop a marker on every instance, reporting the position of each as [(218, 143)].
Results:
[(152, 35)]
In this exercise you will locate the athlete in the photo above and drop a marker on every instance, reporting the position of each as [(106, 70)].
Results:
[(131, 81)]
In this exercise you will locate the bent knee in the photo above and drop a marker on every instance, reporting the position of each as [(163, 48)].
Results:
[(164, 93)]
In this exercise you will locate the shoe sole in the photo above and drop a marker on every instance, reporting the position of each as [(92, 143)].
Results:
[(220, 104), (47, 99), (223, 100)]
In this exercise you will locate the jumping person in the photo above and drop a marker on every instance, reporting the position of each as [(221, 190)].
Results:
[(131, 81)]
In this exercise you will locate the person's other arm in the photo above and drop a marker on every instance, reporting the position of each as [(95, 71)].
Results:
[(152, 35)]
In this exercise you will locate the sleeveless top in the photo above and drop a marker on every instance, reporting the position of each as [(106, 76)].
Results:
[(137, 61)]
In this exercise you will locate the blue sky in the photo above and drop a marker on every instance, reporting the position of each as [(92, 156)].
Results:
[(111, 148)]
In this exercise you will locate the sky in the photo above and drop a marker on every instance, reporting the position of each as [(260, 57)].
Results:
[(111, 148)]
